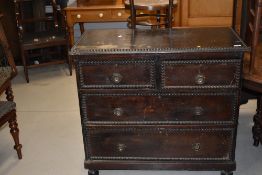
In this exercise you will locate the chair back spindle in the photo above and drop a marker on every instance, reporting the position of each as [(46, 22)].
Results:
[(153, 13)]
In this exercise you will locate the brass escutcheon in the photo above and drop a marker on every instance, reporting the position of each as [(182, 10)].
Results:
[(121, 147), (116, 78), (196, 147), (198, 111), (118, 112), (200, 79)]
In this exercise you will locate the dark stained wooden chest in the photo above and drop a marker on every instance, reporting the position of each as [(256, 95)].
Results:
[(159, 99)]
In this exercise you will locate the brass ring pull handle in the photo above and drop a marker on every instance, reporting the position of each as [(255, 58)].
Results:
[(101, 15), (200, 79), (78, 16), (119, 14), (198, 111), (116, 78), (121, 147), (118, 112), (196, 147)]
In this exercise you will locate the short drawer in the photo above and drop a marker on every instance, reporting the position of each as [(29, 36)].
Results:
[(159, 143), (120, 14), (160, 109), (116, 74), (91, 15), (200, 74)]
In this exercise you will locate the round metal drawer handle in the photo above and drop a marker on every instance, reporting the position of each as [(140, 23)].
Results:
[(200, 79), (116, 78), (121, 147), (118, 112), (101, 15), (196, 147), (119, 14), (78, 16), (198, 111)]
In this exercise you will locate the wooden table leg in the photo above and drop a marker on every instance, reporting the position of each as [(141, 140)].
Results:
[(234, 14), (71, 35), (82, 28)]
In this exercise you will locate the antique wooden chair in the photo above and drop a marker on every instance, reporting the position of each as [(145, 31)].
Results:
[(7, 72), (254, 28), (252, 71), (154, 13), (42, 32)]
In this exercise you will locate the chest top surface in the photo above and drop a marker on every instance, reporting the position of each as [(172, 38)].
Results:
[(101, 41)]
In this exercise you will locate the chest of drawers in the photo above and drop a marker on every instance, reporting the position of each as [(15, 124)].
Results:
[(159, 99)]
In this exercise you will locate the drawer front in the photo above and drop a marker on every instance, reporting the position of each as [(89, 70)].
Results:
[(120, 14), (116, 74), (91, 15), (160, 109), (154, 143), (200, 74)]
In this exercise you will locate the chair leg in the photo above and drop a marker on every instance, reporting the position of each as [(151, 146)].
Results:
[(133, 14), (257, 128), (170, 13), (23, 53), (9, 94), (15, 134), (70, 63), (82, 27)]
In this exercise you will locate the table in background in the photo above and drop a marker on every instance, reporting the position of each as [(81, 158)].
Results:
[(94, 11)]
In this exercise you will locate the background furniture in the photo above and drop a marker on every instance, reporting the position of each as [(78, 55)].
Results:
[(94, 11), (177, 111), (7, 72), (206, 12), (254, 29), (153, 13), (252, 72), (240, 17), (186, 13), (8, 10), (42, 34)]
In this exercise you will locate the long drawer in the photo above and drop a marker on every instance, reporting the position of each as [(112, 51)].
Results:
[(96, 15), (159, 143), (177, 108)]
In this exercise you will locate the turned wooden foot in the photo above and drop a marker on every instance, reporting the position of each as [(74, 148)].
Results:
[(9, 94), (15, 134), (257, 128), (226, 173), (93, 172)]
